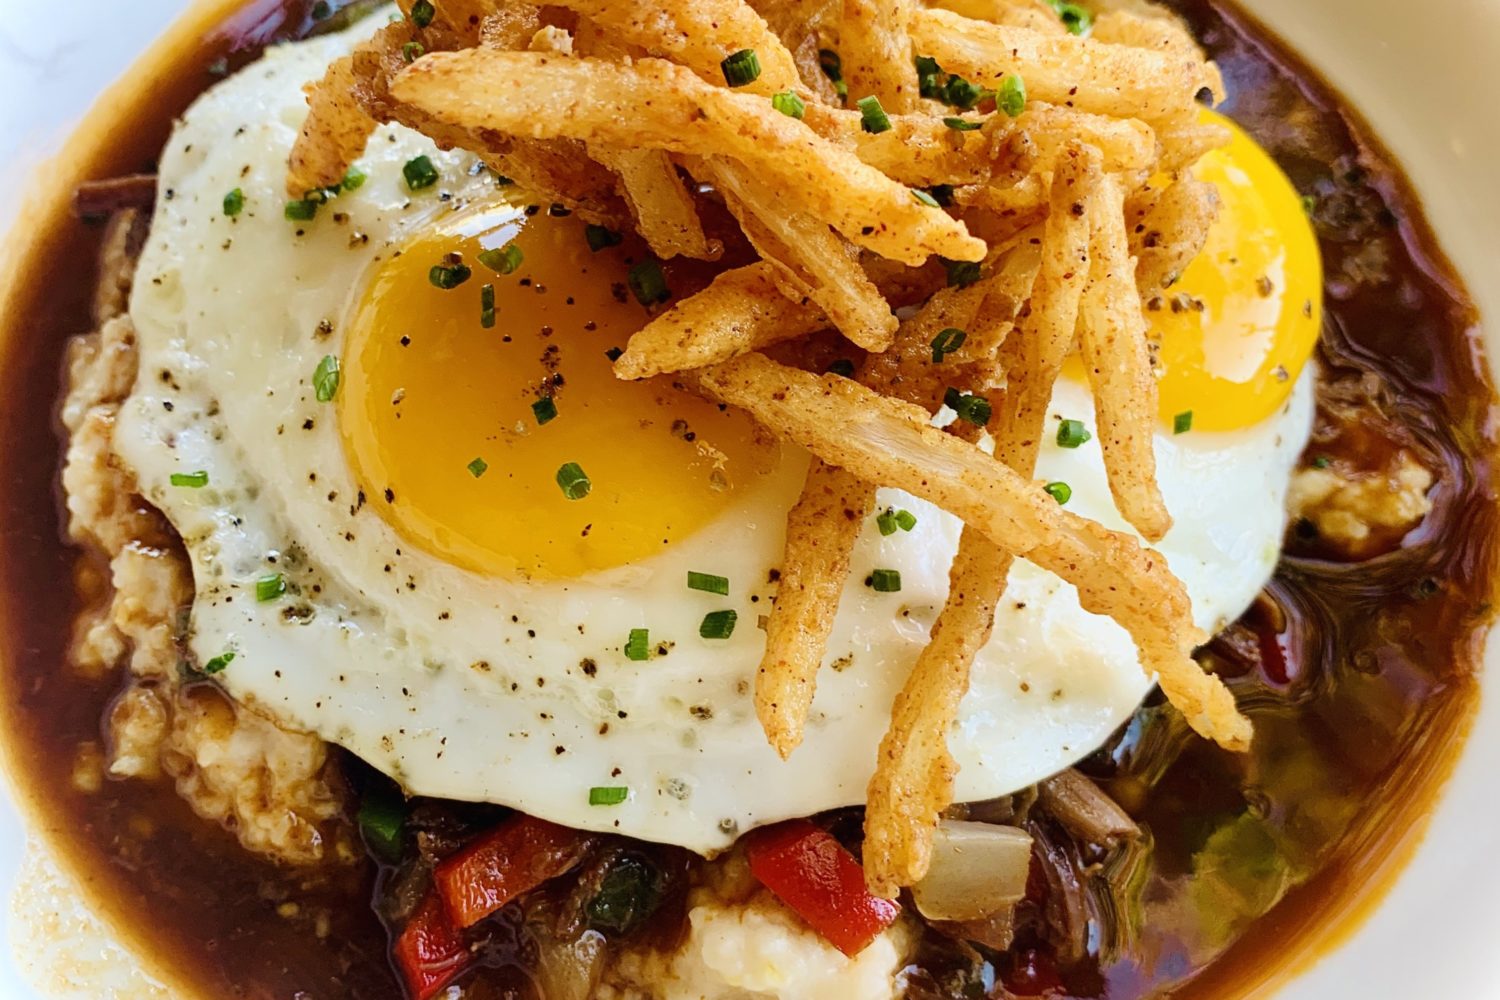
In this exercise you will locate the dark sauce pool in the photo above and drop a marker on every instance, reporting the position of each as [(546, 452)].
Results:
[(1360, 676)]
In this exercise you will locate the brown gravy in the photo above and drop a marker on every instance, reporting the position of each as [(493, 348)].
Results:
[(1362, 714)]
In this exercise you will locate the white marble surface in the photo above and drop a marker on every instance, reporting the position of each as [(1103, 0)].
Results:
[(1422, 73)]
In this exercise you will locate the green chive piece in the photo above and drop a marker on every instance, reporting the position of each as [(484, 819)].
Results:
[(924, 198), (963, 124), (905, 520), (962, 273), (886, 522), (1061, 492), (638, 645), (843, 367), (502, 260), (419, 172), (974, 409), (412, 51), (789, 104), (218, 663), (192, 480), (929, 77), (326, 378), (354, 179), (321, 11), (961, 93), (1322, 462), (946, 342), (448, 276), (544, 409), (708, 583), (648, 284), (487, 306), (1011, 97), (873, 118), (234, 203), (1183, 422), (301, 210), (382, 820), (601, 238), (718, 624), (608, 795), (478, 467), (573, 481), (842, 89), (741, 68), (833, 68), (1310, 204), (1072, 433), (885, 581), (422, 13), (268, 588), (1075, 18)]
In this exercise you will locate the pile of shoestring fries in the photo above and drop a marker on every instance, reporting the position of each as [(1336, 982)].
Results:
[(1018, 169)]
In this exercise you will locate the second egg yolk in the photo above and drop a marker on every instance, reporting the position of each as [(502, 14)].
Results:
[(472, 438)]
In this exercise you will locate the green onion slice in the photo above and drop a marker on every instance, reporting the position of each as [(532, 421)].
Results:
[(789, 104), (1072, 433), (234, 203), (741, 68), (268, 588), (419, 172), (708, 583), (192, 480), (218, 663), (422, 13), (1011, 98), (502, 260), (873, 118), (608, 795), (648, 284), (478, 467), (718, 624), (544, 409), (326, 378), (601, 238), (1061, 492), (946, 342), (487, 306), (448, 276), (638, 645), (1183, 422), (885, 581)]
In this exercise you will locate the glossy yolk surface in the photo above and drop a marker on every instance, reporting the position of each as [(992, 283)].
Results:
[(437, 409), (1234, 332)]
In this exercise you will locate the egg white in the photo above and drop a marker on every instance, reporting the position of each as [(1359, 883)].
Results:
[(518, 692)]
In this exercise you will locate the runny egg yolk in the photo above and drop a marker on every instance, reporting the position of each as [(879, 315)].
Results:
[(1232, 334), (450, 427)]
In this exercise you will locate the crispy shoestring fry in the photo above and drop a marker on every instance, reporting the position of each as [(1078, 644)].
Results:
[(664, 211), (913, 782), (1168, 228), (658, 105), (333, 134), (1118, 362), (743, 310), (846, 424)]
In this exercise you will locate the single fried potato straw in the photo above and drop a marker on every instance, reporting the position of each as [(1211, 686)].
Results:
[(665, 214)]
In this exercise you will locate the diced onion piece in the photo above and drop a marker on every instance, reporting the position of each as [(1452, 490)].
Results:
[(977, 869)]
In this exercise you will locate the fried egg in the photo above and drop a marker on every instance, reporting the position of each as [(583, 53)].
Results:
[(427, 524)]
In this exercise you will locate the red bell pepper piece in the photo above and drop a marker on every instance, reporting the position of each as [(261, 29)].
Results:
[(513, 858), (808, 870), (431, 952)]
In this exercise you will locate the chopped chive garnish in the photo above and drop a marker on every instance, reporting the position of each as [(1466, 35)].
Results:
[(478, 467), (789, 104), (708, 583), (946, 342), (382, 820), (422, 12), (962, 273), (833, 68), (448, 275), (718, 624), (354, 179), (886, 522), (321, 11), (963, 124), (301, 210), (326, 378), (234, 203), (573, 481), (268, 588), (873, 118), (1322, 462), (929, 77), (1310, 204), (974, 409), (1072, 433), (412, 51), (1061, 492), (843, 367), (1075, 18), (924, 198), (1183, 422), (502, 260), (487, 306), (192, 480), (218, 663), (601, 238), (608, 795), (741, 68), (1011, 98), (961, 93), (648, 284), (885, 581), (905, 520), (544, 409), (419, 172), (638, 645)]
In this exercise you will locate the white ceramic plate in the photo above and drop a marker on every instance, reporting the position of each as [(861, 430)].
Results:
[(1420, 72)]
